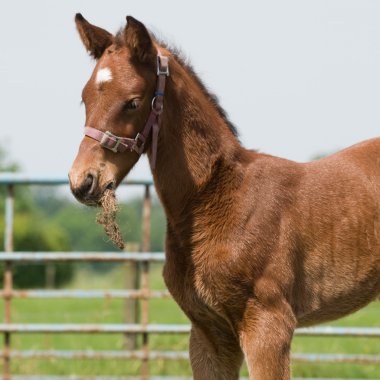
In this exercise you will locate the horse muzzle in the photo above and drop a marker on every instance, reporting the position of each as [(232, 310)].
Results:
[(87, 189)]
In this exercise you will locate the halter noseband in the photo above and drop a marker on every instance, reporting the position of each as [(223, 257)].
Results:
[(122, 144)]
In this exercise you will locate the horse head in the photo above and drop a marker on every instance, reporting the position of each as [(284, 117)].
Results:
[(120, 102)]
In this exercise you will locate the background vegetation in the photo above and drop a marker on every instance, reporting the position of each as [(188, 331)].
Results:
[(46, 220), (161, 311)]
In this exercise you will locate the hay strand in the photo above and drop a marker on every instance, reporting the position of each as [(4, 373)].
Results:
[(107, 218)]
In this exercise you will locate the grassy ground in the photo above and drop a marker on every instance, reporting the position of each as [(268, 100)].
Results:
[(161, 311)]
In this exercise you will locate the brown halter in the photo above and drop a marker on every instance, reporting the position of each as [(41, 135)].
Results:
[(121, 144)]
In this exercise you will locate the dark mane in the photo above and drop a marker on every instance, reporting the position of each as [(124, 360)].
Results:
[(119, 42)]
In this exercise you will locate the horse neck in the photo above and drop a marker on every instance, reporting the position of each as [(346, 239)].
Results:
[(195, 143)]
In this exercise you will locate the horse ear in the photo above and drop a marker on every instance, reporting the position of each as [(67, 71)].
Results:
[(138, 40), (95, 39)]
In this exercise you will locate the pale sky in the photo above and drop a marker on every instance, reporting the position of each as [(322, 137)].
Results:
[(297, 78)]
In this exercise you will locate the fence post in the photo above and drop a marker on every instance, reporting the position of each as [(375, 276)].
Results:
[(131, 305), (8, 247), (147, 208)]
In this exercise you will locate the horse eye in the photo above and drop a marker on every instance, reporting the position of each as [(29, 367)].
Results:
[(132, 104)]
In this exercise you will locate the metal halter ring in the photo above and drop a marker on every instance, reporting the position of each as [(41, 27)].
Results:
[(157, 111)]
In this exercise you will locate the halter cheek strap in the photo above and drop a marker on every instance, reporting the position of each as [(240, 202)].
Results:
[(122, 144)]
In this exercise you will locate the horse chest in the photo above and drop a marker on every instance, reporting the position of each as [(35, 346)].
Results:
[(199, 302), (201, 284)]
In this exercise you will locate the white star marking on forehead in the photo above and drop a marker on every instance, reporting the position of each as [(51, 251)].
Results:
[(103, 75)]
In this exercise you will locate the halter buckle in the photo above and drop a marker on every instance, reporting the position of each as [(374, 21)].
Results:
[(107, 137), (161, 71), (138, 145)]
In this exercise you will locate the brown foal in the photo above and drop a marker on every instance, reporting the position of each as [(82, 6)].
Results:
[(256, 245)]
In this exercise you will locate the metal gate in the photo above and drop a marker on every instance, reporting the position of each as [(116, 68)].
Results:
[(143, 294)]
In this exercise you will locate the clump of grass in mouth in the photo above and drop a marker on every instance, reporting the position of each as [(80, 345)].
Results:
[(107, 218)]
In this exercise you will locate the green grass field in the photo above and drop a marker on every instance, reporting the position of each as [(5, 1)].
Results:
[(161, 311)]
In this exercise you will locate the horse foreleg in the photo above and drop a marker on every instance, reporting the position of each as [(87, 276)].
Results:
[(213, 355), (266, 339)]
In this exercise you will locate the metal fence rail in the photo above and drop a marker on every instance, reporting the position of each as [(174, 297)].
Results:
[(142, 294), (180, 355), (138, 378), (109, 293)]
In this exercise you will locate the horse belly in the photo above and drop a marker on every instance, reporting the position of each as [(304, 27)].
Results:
[(338, 287), (339, 258)]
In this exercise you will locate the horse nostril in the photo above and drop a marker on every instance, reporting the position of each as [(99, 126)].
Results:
[(85, 189), (87, 184)]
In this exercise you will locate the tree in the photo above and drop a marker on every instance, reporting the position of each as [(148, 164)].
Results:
[(32, 232)]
